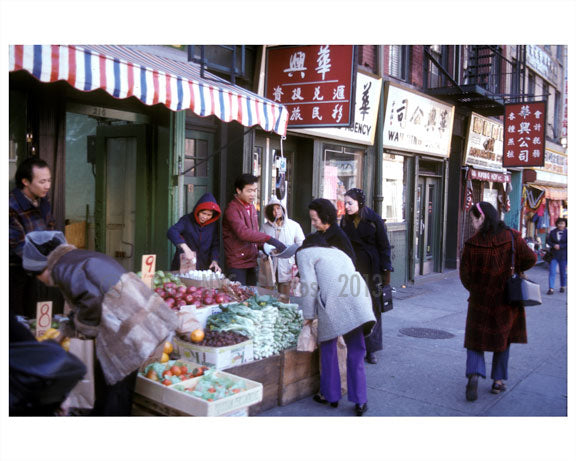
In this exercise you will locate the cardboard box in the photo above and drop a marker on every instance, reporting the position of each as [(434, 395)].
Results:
[(216, 357), (205, 283), (172, 398)]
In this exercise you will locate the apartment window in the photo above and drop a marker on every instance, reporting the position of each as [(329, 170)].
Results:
[(434, 71), (559, 52), (557, 115), (398, 61), (531, 84)]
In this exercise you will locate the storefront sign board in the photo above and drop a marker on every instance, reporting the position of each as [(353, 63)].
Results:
[(314, 82), (366, 104), (484, 142), (524, 134), (416, 123)]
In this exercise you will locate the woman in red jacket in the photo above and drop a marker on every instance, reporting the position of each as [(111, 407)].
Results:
[(491, 323)]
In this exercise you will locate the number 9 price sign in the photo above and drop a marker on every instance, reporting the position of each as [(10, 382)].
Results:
[(148, 269)]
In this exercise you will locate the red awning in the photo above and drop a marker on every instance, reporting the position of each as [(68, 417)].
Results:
[(124, 71)]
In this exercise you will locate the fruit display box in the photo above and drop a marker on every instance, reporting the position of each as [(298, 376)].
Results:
[(202, 313), (216, 357), (172, 398), (204, 283)]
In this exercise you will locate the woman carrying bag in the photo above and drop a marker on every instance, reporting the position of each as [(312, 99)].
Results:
[(492, 323), (366, 231)]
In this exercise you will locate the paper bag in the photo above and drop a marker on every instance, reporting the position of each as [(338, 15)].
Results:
[(83, 394), (187, 323), (342, 353), (308, 338), (266, 275)]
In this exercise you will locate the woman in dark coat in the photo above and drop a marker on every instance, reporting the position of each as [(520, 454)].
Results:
[(491, 323), (197, 232), (558, 242), (365, 229), (323, 216)]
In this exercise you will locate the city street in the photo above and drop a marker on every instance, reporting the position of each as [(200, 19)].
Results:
[(420, 376)]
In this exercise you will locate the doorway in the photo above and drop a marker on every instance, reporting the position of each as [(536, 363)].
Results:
[(198, 167), (122, 194), (427, 224)]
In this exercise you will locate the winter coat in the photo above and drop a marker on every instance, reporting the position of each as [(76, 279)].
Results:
[(333, 236), (554, 239), (241, 236), (289, 233), (128, 320), (492, 324), (370, 243), (332, 291), (204, 239)]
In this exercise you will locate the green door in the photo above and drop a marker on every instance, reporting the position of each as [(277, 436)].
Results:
[(427, 222), (198, 167), (122, 228)]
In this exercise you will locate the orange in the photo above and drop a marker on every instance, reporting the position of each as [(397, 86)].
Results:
[(165, 357), (197, 335), (168, 348)]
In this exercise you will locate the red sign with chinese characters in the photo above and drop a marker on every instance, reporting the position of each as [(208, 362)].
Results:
[(314, 82), (524, 134)]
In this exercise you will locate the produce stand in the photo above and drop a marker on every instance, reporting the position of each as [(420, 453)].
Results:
[(280, 373)]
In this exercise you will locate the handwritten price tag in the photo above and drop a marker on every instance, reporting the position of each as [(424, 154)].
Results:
[(43, 317), (148, 269)]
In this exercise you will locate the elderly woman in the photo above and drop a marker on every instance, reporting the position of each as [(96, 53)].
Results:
[(128, 320), (558, 242), (365, 229), (492, 323), (336, 294)]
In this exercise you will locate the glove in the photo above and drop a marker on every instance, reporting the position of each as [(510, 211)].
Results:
[(280, 247)]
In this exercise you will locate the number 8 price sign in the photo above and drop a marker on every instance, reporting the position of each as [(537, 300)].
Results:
[(43, 317), (148, 269)]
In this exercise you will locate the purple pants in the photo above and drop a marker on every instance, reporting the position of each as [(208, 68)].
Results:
[(330, 386)]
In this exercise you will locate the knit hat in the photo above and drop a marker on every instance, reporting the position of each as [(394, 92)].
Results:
[(358, 195), (33, 259)]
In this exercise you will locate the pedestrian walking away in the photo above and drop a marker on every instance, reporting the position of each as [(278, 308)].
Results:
[(492, 323), (327, 276), (196, 235), (129, 321), (558, 243), (366, 231)]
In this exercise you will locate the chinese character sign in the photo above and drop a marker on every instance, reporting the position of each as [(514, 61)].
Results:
[(524, 134), (484, 142), (314, 82)]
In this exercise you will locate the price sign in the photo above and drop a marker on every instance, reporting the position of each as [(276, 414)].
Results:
[(148, 269), (43, 317)]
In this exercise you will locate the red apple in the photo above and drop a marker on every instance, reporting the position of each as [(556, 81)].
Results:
[(208, 300), (191, 289), (180, 303), (181, 289), (189, 299), (169, 285), (220, 298), (160, 292), (170, 301)]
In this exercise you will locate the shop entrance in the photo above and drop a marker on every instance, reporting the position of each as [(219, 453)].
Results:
[(122, 193), (427, 219)]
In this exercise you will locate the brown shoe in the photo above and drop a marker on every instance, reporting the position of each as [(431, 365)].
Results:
[(472, 388), (498, 387)]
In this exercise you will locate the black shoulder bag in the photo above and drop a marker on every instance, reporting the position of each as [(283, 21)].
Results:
[(520, 290)]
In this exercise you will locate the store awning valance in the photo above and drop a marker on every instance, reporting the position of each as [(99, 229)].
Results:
[(553, 193), (123, 72)]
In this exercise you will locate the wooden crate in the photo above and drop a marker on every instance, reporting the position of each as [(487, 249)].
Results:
[(266, 371), (300, 375)]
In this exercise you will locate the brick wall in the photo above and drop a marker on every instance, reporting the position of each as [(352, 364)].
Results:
[(367, 58)]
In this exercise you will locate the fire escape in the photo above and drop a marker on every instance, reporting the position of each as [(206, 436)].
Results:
[(480, 77)]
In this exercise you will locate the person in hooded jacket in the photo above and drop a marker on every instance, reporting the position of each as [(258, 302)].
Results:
[(492, 323), (287, 231), (129, 322), (196, 235), (366, 231)]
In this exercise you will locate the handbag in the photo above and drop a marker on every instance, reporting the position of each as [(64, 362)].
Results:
[(520, 290), (547, 256), (386, 301)]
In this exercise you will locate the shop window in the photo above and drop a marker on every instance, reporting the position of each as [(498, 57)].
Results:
[(342, 170), (394, 188)]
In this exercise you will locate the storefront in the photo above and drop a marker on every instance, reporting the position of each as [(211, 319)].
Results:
[(133, 139), (545, 196), (483, 177), (416, 140)]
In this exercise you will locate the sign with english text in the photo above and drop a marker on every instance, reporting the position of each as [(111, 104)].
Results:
[(366, 104), (524, 134), (314, 82), (416, 123), (484, 142)]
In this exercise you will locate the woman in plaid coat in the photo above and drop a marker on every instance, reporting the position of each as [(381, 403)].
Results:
[(491, 323)]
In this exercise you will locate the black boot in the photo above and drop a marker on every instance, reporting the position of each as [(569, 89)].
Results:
[(371, 358), (472, 388), (361, 409)]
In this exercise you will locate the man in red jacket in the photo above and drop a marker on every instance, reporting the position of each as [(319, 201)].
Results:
[(240, 233)]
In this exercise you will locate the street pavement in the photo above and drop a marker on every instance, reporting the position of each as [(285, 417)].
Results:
[(421, 376)]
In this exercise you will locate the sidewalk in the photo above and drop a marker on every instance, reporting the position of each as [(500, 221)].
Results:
[(417, 375)]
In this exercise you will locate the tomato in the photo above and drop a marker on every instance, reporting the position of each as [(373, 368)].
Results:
[(167, 373), (176, 370), (210, 400), (236, 390), (184, 370), (167, 382), (212, 390)]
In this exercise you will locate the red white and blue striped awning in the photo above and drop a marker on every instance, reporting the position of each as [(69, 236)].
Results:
[(123, 72)]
